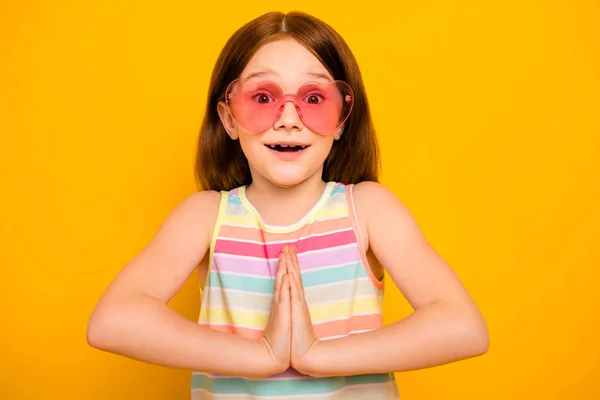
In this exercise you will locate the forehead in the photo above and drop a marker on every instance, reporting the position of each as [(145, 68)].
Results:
[(286, 62)]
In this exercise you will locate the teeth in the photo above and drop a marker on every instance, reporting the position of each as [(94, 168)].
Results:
[(274, 146)]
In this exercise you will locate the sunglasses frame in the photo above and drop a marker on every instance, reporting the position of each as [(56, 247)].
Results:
[(291, 97)]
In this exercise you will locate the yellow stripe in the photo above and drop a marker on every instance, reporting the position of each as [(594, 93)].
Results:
[(332, 212), (318, 314), (245, 221), (327, 312), (239, 317), (291, 228), (214, 236), (249, 221)]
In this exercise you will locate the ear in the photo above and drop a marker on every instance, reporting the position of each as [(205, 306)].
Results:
[(227, 120), (338, 134)]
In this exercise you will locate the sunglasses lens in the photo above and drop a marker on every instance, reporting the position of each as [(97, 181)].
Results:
[(254, 105), (325, 107), (322, 107)]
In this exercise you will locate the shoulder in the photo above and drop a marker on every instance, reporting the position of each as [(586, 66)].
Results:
[(202, 201), (196, 211), (373, 197), (378, 206), (369, 190)]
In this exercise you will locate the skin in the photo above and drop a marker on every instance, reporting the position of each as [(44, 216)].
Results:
[(283, 191), (132, 317)]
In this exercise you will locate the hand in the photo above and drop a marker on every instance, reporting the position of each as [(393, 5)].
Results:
[(304, 340), (277, 335)]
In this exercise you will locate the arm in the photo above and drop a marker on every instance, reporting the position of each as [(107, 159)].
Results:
[(132, 318), (446, 325)]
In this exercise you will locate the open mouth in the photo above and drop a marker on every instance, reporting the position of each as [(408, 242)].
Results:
[(286, 148)]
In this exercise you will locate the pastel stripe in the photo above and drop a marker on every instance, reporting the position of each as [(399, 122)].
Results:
[(318, 314), (253, 233), (235, 205), (266, 282), (341, 295), (384, 390), (234, 200), (283, 387), (268, 267), (335, 274), (248, 220), (272, 250), (315, 295), (329, 329)]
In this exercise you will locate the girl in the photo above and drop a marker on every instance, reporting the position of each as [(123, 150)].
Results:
[(291, 235)]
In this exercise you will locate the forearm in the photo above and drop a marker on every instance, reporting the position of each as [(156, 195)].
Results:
[(147, 330), (431, 336)]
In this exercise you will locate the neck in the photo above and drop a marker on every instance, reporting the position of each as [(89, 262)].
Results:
[(265, 189), (285, 204)]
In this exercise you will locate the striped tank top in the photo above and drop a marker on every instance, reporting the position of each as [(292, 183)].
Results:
[(343, 296)]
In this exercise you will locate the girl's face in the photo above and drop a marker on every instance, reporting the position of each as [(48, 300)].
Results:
[(287, 152)]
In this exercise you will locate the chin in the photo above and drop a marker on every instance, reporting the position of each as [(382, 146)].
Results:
[(287, 178), (286, 181)]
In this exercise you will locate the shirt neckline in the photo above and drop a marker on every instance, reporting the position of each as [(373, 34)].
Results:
[(284, 228)]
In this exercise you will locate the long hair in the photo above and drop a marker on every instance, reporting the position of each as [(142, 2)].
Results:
[(220, 162)]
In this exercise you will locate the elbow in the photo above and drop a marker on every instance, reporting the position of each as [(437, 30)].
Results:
[(477, 337), (485, 340), (95, 335), (113, 324), (99, 331)]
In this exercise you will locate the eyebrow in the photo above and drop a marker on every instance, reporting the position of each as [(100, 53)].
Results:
[(259, 74), (270, 72), (318, 75)]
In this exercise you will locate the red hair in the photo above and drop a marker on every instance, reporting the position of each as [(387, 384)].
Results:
[(220, 162)]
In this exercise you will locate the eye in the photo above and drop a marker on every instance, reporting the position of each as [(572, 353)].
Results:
[(314, 98), (262, 98)]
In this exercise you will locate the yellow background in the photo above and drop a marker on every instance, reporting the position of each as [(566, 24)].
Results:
[(488, 114)]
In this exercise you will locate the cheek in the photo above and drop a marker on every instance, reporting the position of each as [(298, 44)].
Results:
[(323, 147), (251, 147)]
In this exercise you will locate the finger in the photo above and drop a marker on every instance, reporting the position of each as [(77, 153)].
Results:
[(282, 268), (283, 265), (295, 267), (297, 264), (284, 295), (294, 257), (280, 274), (294, 287)]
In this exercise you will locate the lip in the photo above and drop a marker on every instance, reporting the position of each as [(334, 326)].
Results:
[(287, 155), (286, 143)]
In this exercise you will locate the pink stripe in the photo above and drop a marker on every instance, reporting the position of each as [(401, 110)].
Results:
[(264, 267), (272, 250)]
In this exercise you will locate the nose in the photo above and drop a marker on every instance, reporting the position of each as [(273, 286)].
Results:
[(289, 117)]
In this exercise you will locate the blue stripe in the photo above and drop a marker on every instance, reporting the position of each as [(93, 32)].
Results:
[(283, 387), (235, 200), (330, 275), (265, 284), (338, 190), (248, 283)]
